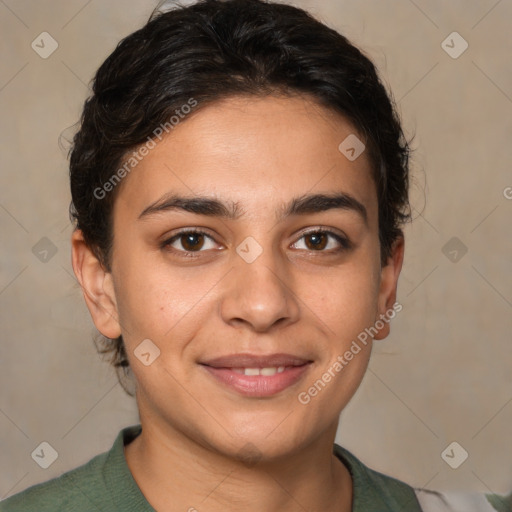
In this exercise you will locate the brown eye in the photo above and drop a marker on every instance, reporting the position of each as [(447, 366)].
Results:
[(316, 241), (323, 241), (192, 241), (189, 242)]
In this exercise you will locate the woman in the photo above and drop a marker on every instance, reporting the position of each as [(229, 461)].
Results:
[(239, 181)]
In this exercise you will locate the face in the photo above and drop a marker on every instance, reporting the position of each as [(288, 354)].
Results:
[(270, 259)]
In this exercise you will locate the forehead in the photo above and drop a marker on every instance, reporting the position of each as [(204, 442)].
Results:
[(258, 152)]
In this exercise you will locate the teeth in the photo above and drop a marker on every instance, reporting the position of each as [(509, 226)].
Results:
[(260, 371)]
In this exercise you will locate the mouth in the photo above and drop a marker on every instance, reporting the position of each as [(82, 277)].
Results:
[(257, 376)]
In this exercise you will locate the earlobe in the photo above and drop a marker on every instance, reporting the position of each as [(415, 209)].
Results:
[(97, 287), (388, 285)]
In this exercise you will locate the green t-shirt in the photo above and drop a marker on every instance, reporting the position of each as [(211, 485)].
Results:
[(106, 484)]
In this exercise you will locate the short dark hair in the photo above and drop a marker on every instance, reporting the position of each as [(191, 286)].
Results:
[(213, 50)]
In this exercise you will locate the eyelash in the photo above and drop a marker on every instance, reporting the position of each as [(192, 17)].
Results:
[(344, 242)]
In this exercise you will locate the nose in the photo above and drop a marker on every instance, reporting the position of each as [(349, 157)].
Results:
[(260, 294)]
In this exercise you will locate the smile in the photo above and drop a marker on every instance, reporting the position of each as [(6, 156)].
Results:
[(258, 382)]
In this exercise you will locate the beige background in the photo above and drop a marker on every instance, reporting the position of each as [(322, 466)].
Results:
[(444, 373)]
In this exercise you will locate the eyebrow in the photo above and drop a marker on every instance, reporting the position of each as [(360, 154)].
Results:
[(303, 205)]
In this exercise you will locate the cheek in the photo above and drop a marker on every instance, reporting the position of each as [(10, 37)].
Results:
[(347, 304), (154, 301), (345, 299)]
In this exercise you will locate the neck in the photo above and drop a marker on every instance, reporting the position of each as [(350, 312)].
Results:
[(174, 472)]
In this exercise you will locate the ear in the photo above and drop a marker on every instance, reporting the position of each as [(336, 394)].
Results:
[(388, 284), (97, 287)]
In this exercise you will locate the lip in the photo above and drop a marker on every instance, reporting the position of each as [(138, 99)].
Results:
[(223, 371), (255, 361)]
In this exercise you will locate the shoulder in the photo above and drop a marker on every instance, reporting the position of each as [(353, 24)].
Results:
[(453, 501), (74, 490), (103, 483), (374, 491)]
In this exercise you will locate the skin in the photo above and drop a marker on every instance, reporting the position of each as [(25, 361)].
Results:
[(198, 435)]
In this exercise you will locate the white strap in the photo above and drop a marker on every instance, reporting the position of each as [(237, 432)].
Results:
[(452, 501)]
